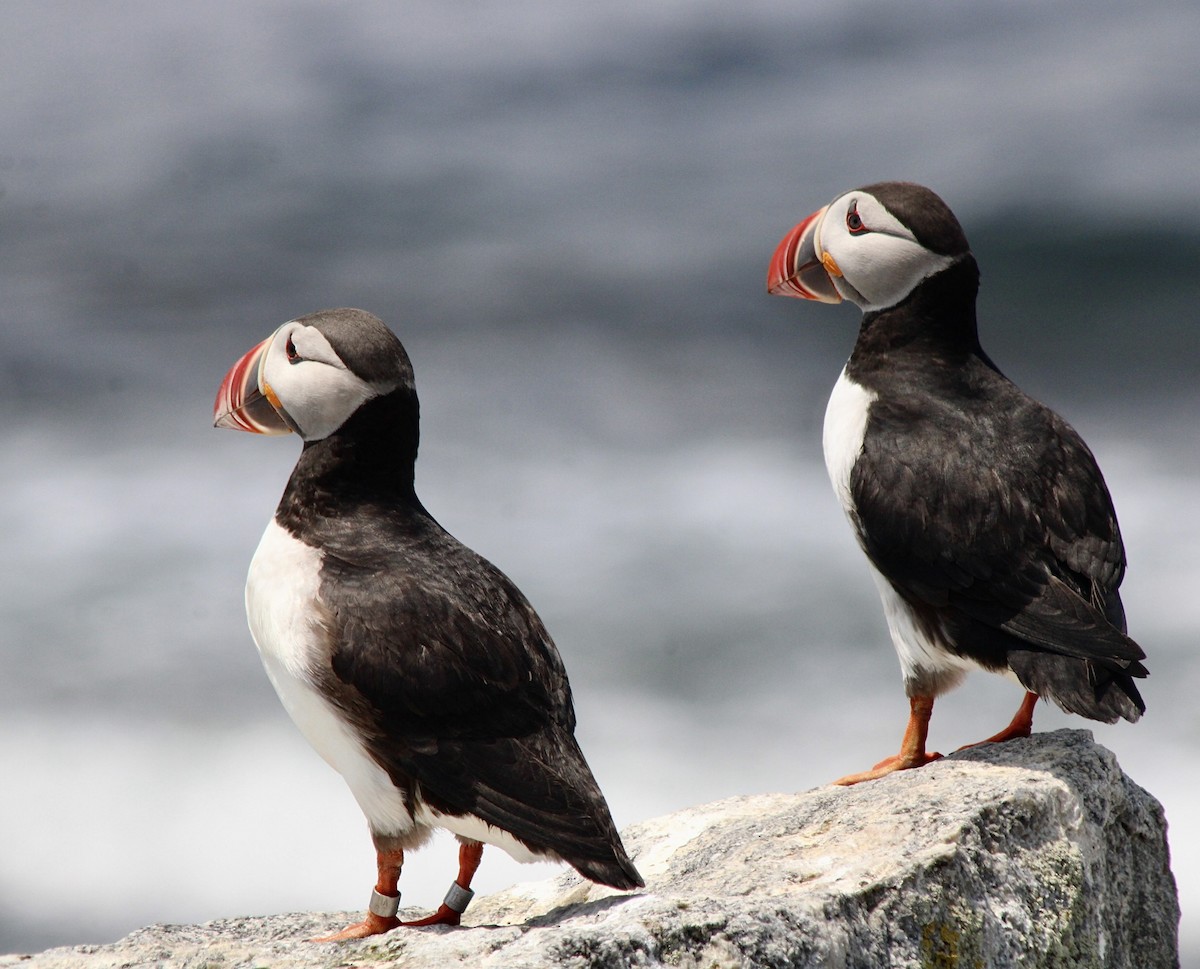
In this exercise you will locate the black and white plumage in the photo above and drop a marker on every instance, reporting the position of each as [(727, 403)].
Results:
[(986, 520), (412, 664)]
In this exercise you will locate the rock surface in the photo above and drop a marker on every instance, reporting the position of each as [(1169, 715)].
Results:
[(1033, 853)]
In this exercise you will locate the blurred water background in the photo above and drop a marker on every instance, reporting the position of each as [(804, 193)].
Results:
[(566, 212)]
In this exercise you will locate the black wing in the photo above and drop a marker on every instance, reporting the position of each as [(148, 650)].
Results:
[(994, 513), (462, 693), (443, 644)]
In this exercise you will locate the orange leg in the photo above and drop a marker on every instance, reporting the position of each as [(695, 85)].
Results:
[(912, 748), (470, 853), (1021, 726), (384, 899)]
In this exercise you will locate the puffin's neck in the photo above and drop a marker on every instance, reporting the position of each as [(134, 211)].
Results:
[(370, 459), (937, 319)]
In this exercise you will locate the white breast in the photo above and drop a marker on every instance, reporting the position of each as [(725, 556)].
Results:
[(282, 605), (842, 437), (926, 664), (282, 609)]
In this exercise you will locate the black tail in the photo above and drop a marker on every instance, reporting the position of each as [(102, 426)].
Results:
[(616, 872), (1081, 686)]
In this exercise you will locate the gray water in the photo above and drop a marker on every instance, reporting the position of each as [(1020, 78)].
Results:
[(566, 213)]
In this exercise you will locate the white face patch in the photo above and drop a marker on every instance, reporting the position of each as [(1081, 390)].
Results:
[(880, 264), (310, 381)]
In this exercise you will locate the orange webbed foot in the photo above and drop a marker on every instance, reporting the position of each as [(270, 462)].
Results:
[(891, 765), (1021, 725), (372, 925), (912, 747), (445, 915), (385, 898)]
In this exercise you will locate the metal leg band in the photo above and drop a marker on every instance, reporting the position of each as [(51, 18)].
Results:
[(458, 898), (385, 906)]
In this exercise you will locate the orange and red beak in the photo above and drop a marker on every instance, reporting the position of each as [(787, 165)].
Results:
[(245, 401), (797, 268)]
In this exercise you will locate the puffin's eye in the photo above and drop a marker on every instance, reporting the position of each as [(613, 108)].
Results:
[(293, 354), (854, 222)]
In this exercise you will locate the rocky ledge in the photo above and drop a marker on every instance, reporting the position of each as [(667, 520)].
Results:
[(1032, 853)]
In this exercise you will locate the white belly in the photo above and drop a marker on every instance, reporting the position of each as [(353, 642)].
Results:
[(281, 604), (281, 597), (925, 664), (928, 667)]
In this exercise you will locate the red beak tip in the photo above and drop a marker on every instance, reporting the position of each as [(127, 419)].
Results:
[(794, 269), (240, 405)]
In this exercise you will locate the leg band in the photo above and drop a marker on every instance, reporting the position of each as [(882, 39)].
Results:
[(458, 898), (385, 906)]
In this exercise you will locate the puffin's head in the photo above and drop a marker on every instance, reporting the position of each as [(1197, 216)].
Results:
[(311, 374), (872, 246)]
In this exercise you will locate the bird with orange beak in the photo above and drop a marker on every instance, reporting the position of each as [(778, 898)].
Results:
[(988, 526), (412, 665)]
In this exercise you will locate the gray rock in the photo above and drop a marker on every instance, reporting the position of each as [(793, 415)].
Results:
[(1034, 853)]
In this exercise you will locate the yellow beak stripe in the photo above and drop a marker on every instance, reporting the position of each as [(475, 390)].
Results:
[(270, 395)]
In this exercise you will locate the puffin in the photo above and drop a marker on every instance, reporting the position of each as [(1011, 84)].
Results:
[(411, 664), (989, 529)]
